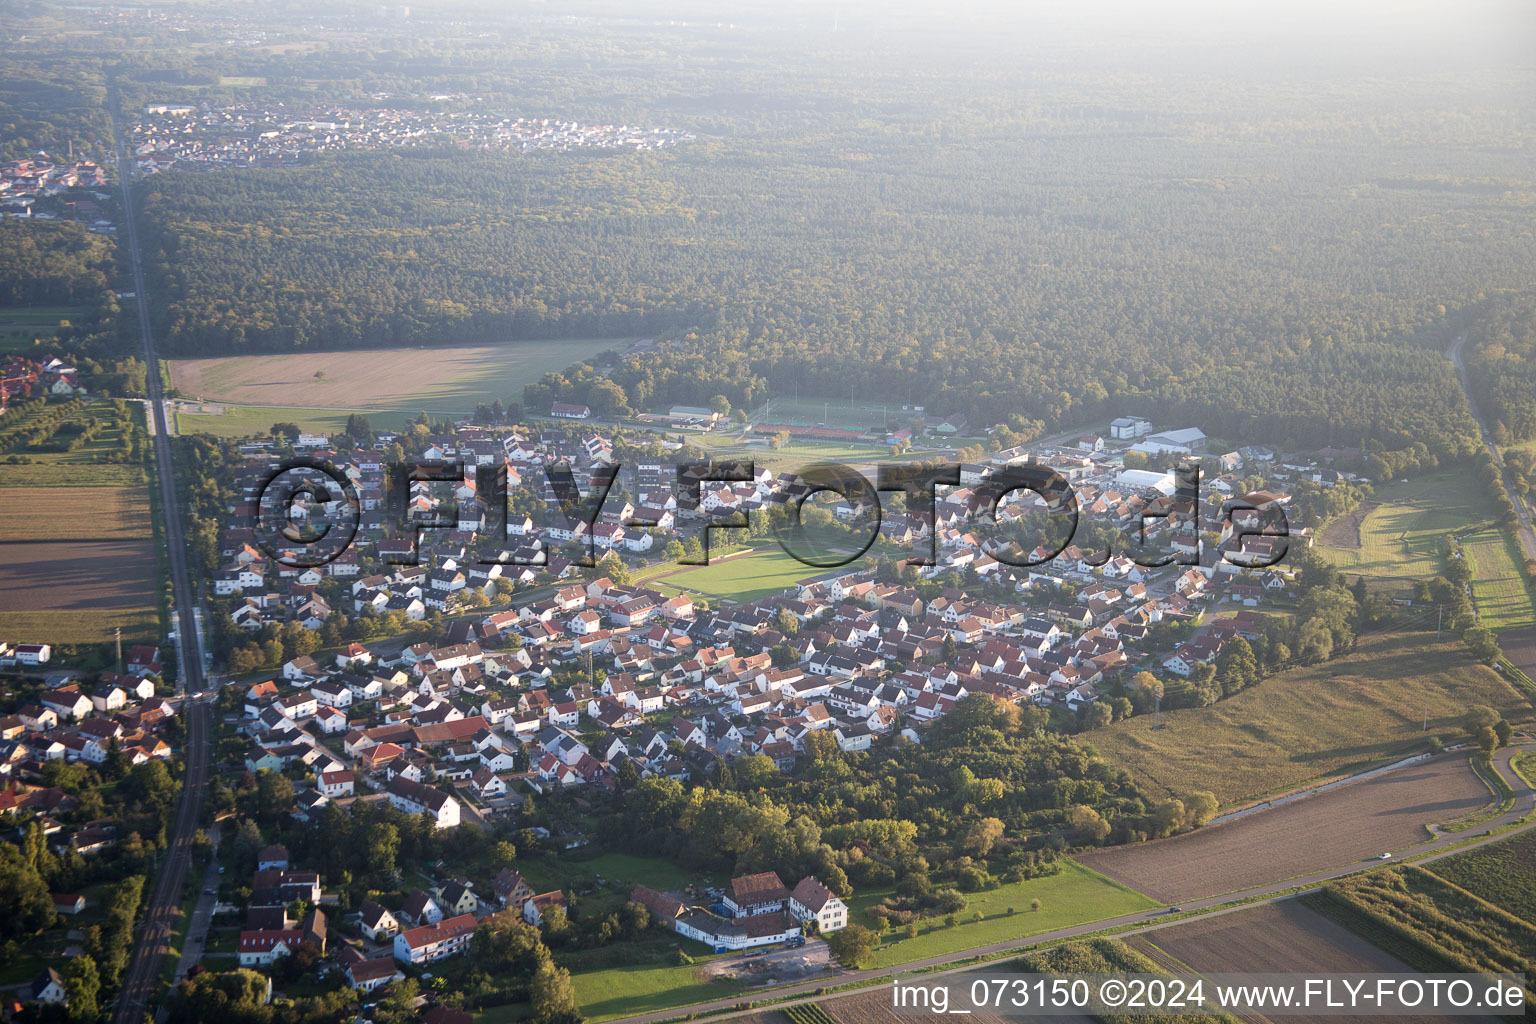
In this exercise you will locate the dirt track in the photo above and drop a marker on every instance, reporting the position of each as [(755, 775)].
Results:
[(1357, 821), (1345, 533)]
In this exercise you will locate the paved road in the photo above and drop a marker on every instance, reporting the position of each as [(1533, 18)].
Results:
[(202, 915), (1525, 532), (1525, 803), (154, 933)]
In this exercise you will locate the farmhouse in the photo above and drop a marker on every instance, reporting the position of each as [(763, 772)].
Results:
[(762, 893)]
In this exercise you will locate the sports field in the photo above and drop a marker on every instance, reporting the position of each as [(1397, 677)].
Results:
[(398, 379), (1364, 707), (798, 455), (244, 420), (811, 412), (767, 570)]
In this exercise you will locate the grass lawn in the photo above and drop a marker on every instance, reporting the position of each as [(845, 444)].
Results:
[(23, 340), (23, 969), (1400, 538), (1074, 896), (1498, 586), (746, 578), (1362, 707), (649, 871), (638, 988), (178, 939), (552, 872), (244, 420), (49, 315)]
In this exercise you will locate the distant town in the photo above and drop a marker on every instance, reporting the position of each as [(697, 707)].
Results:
[(201, 136)]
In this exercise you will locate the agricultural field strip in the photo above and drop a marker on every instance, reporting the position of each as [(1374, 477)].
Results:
[(65, 513), (1271, 937), (78, 575)]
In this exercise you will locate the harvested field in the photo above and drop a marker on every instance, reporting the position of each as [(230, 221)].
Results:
[(409, 379), (1271, 938), (1345, 532), (1351, 823), (73, 513), (76, 575)]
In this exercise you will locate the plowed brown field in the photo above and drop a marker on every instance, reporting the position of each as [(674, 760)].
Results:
[(1274, 938), (1353, 822)]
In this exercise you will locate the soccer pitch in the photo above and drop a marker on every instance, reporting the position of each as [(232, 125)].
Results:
[(813, 412)]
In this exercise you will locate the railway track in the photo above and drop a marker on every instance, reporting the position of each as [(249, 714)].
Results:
[(140, 979)]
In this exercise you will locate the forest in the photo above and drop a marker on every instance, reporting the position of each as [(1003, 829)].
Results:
[(1501, 362), (1106, 253), (51, 104), (45, 263)]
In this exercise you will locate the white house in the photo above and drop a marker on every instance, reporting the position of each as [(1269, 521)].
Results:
[(435, 941), (337, 784), (377, 921), (262, 948), (416, 798), (812, 901)]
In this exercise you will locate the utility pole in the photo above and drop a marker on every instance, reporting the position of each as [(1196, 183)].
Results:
[(1438, 617), (1157, 712), (117, 632)]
